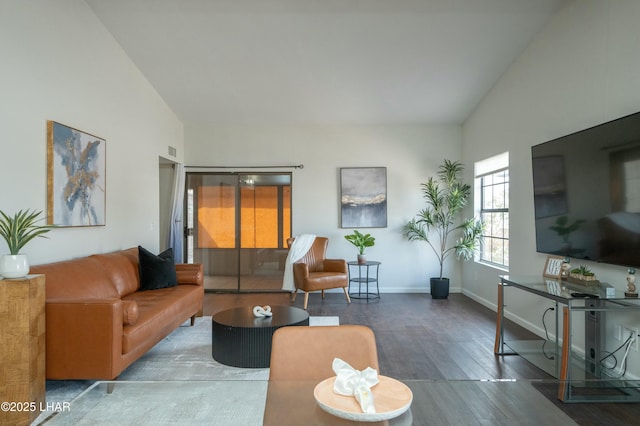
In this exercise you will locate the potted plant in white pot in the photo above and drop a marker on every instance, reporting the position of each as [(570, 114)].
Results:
[(446, 196), (361, 241), (17, 231)]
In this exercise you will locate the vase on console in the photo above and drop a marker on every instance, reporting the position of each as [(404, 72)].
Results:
[(17, 231), (14, 266)]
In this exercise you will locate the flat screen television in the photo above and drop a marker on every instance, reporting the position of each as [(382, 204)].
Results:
[(586, 189)]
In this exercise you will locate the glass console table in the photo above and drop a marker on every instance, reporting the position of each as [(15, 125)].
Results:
[(579, 379)]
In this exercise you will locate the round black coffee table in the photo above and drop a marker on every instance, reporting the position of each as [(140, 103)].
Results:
[(240, 339)]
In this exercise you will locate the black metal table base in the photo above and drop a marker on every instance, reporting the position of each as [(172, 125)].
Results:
[(364, 280), (364, 296)]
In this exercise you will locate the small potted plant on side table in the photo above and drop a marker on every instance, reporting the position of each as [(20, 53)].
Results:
[(361, 241)]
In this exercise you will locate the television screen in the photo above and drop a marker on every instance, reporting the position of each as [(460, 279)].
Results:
[(586, 189)]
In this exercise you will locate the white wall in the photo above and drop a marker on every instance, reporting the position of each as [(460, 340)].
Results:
[(59, 63), (583, 69), (410, 153)]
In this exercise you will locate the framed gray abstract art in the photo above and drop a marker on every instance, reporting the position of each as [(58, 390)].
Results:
[(363, 197), (76, 181)]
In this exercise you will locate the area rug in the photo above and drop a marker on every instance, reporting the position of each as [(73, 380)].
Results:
[(170, 403), (185, 354)]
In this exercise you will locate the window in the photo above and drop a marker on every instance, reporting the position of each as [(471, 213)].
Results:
[(493, 185)]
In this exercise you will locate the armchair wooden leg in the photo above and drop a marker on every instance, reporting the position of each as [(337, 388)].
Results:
[(322, 294), (193, 320), (293, 296), (306, 299), (346, 293)]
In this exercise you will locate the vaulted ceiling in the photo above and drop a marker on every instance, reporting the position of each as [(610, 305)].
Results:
[(323, 61)]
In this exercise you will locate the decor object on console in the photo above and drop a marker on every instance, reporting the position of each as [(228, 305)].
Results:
[(361, 241), (17, 231), (582, 275), (446, 195), (553, 267), (631, 284), (98, 322), (76, 179), (566, 268)]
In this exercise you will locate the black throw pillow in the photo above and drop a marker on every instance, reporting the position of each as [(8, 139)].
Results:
[(156, 271)]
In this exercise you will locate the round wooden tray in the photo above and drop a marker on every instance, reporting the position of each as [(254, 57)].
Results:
[(391, 398)]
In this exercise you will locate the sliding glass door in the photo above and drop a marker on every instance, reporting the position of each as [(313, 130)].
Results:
[(237, 227)]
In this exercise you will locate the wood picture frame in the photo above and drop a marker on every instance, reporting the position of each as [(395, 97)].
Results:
[(553, 267), (76, 177)]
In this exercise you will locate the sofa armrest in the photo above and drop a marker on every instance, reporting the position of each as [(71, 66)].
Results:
[(190, 273), (84, 338), (335, 265)]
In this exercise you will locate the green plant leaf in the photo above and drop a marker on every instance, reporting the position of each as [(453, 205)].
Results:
[(360, 240), (20, 229)]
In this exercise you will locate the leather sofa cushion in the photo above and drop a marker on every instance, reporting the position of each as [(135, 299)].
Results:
[(158, 309), (76, 279), (130, 312), (122, 269)]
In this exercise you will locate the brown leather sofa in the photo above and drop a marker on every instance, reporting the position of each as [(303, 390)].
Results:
[(98, 323)]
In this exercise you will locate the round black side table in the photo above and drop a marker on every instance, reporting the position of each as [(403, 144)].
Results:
[(364, 278)]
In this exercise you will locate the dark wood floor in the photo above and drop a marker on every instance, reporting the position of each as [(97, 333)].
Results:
[(422, 338)]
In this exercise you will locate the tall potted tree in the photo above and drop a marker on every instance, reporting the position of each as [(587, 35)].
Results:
[(446, 196)]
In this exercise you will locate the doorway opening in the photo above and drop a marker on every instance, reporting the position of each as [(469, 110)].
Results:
[(237, 226)]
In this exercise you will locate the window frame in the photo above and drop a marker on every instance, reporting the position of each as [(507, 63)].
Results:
[(482, 211)]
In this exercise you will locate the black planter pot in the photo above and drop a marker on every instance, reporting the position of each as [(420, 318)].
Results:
[(439, 288)]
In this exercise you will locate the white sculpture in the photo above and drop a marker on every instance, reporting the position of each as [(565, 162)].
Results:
[(262, 311)]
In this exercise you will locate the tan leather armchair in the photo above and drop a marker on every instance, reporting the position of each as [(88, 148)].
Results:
[(313, 272)]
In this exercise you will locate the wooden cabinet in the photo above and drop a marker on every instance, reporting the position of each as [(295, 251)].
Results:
[(22, 348)]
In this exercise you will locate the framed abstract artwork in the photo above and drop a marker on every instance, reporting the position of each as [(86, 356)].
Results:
[(363, 197), (76, 177)]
